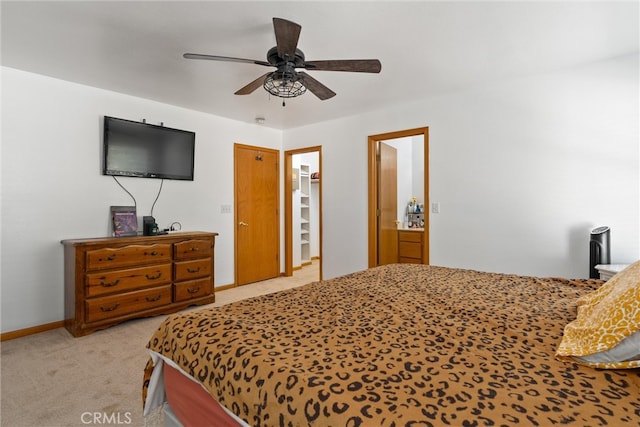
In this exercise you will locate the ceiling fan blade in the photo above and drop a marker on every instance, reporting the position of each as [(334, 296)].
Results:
[(353, 65), (224, 58), (317, 88), (252, 86), (287, 35)]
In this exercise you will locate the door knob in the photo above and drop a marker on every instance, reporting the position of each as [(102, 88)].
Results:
[(243, 224)]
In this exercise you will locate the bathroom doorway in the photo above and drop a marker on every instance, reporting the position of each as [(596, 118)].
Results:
[(391, 230)]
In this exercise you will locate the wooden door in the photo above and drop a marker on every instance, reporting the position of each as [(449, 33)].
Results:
[(388, 205), (257, 217)]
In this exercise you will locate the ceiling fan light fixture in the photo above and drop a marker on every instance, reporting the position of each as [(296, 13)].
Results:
[(284, 85)]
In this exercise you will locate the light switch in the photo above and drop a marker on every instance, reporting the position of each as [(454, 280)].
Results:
[(435, 207), (225, 209)]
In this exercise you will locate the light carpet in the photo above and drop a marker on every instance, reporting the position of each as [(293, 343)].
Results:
[(53, 379)]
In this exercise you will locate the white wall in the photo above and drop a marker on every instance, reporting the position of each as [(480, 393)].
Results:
[(52, 187), (523, 170)]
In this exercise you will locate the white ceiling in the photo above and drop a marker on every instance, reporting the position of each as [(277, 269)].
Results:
[(426, 48)]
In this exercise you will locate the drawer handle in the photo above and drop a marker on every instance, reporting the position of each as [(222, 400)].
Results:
[(107, 309), (193, 270), (109, 285), (111, 257), (153, 299), (193, 249), (153, 253), (193, 291), (150, 277)]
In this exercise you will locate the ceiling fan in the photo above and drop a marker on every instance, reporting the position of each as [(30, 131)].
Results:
[(286, 82)]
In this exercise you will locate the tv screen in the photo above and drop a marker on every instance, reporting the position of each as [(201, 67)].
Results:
[(149, 151)]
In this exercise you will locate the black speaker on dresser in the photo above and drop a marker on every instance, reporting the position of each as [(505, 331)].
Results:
[(149, 226)]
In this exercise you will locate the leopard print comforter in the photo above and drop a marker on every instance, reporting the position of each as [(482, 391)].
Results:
[(401, 345)]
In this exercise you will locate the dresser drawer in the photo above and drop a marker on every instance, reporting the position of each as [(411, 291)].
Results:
[(127, 255), (410, 250), (192, 289), (127, 280), (194, 248), (126, 303), (410, 236), (188, 270), (403, 260)]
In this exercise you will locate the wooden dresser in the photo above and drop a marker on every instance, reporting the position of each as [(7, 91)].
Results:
[(410, 246), (109, 280)]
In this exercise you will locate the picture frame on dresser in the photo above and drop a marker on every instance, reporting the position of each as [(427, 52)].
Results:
[(124, 221)]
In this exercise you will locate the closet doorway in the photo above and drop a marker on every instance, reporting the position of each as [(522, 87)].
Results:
[(303, 209), (389, 201)]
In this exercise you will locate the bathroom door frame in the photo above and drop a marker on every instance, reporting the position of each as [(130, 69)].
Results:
[(373, 211)]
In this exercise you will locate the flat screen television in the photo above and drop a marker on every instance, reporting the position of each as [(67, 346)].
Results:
[(148, 151)]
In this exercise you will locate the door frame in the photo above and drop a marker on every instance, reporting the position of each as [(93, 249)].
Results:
[(288, 207), (372, 215)]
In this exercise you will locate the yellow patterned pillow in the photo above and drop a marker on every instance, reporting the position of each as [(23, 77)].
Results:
[(605, 318)]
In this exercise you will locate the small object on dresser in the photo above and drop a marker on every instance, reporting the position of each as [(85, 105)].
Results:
[(124, 221), (149, 226)]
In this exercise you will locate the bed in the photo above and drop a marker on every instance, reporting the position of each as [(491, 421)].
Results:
[(408, 345)]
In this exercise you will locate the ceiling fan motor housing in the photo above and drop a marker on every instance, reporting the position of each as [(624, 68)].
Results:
[(285, 81), (274, 59)]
